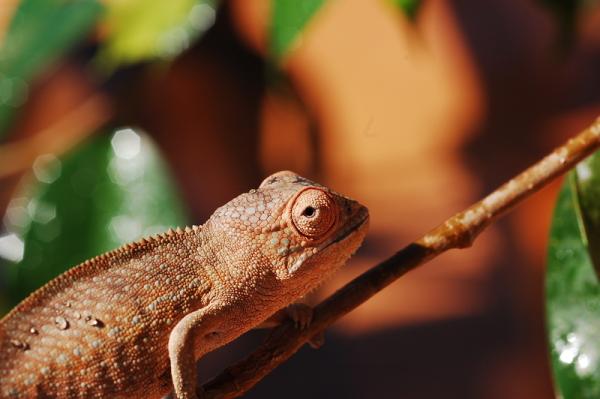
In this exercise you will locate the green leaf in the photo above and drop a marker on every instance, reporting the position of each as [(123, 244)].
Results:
[(587, 190), (573, 297), (39, 33), (288, 20), (113, 189), (138, 31), (410, 7)]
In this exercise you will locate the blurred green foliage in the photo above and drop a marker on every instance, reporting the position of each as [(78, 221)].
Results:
[(137, 32), (572, 287), (410, 7), (111, 190), (289, 19), (39, 33)]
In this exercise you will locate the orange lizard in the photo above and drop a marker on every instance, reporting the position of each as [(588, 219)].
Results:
[(132, 323)]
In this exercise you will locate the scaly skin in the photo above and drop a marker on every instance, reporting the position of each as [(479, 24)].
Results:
[(131, 323)]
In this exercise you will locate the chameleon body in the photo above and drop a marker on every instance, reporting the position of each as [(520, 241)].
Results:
[(131, 323)]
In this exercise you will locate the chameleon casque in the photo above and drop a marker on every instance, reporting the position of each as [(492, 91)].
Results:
[(131, 323)]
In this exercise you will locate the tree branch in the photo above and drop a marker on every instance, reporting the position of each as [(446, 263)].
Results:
[(457, 232)]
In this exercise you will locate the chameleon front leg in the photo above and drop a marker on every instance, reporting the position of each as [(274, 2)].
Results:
[(301, 315), (182, 342)]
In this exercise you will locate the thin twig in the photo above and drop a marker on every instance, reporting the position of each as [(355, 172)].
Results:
[(457, 232)]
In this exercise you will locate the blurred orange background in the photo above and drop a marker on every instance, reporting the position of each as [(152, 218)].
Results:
[(417, 121)]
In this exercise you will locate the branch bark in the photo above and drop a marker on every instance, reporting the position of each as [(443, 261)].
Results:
[(457, 232)]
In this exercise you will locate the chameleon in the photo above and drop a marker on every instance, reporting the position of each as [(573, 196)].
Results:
[(132, 323)]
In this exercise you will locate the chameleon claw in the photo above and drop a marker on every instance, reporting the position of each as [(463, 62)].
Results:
[(301, 314), (317, 341)]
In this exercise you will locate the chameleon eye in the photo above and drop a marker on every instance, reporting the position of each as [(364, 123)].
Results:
[(308, 212), (313, 213)]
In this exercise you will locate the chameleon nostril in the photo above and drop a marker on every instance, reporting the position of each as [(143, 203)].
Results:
[(348, 209)]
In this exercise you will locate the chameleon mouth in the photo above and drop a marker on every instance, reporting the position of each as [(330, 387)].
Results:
[(363, 217), (363, 214)]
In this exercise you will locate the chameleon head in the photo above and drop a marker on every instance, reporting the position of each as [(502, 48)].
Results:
[(301, 230)]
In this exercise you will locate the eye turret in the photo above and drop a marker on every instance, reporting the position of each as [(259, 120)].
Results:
[(314, 213)]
